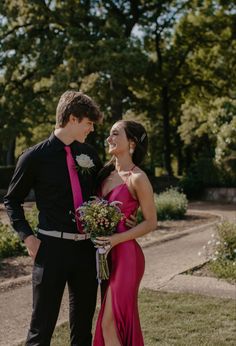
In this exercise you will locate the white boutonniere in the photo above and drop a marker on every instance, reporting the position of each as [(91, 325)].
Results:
[(84, 163)]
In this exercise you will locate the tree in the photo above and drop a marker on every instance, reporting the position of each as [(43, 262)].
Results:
[(209, 107)]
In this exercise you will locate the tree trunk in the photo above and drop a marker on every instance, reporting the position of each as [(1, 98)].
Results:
[(116, 101), (10, 158), (166, 129), (179, 155), (1, 156), (188, 158)]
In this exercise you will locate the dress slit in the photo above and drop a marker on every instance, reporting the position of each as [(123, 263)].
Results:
[(109, 290)]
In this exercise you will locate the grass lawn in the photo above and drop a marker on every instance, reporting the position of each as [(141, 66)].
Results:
[(179, 319)]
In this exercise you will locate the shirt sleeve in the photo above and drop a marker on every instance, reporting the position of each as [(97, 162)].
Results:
[(19, 188)]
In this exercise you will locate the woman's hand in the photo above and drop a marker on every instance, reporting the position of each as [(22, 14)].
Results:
[(108, 242)]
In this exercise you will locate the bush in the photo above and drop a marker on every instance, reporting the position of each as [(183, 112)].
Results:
[(223, 269), (222, 257), (227, 172), (226, 244), (10, 244), (171, 205)]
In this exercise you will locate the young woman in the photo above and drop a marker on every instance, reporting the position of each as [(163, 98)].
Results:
[(122, 180)]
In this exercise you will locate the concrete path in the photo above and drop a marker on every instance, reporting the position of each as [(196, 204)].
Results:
[(16, 306), (165, 261)]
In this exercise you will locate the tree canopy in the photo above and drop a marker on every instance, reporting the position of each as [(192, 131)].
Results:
[(169, 64)]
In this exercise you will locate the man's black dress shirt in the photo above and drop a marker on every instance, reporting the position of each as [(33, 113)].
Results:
[(43, 168)]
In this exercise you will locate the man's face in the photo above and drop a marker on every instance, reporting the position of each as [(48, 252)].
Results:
[(81, 129)]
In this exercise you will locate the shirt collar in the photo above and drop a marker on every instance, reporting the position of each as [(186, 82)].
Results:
[(57, 144)]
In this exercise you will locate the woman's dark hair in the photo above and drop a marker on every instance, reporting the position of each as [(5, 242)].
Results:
[(78, 104), (136, 133)]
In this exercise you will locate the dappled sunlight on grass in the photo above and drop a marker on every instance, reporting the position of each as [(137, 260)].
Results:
[(179, 319)]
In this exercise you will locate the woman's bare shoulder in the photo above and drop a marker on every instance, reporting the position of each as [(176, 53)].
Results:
[(139, 176)]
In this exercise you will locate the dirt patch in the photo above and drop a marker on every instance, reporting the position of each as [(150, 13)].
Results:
[(191, 220), (14, 267)]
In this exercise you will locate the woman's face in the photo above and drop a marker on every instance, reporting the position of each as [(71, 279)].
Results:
[(118, 141)]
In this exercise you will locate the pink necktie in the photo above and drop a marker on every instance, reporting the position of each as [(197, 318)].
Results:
[(75, 184)]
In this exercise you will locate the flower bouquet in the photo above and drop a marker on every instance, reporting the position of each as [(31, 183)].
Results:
[(99, 219)]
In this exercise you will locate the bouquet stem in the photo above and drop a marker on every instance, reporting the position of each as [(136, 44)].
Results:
[(102, 265)]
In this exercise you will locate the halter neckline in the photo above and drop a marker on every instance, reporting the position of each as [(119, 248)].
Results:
[(122, 184)]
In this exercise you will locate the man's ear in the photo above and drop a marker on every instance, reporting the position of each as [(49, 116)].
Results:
[(72, 119)]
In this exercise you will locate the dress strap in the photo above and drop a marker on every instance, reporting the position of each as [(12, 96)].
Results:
[(129, 174), (133, 168)]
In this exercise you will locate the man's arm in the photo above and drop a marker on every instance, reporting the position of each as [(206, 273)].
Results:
[(20, 185)]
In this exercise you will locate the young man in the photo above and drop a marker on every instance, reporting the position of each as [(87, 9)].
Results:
[(61, 253)]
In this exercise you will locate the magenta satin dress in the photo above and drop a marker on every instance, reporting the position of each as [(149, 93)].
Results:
[(127, 268)]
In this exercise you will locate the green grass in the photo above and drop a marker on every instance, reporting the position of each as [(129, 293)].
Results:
[(179, 319)]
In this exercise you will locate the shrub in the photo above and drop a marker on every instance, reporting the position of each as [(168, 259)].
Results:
[(222, 254), (226, 244), (223, 269), (171, 205), (10, 244), (227, 172)]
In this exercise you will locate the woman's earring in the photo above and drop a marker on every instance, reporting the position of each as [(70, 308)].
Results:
[(131, 151)]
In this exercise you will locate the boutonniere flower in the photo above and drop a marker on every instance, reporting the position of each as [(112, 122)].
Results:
[(84, 163)]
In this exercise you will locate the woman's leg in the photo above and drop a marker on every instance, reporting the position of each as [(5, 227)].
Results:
[(108, 323)]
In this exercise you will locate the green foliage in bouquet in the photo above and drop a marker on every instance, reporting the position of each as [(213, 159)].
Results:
[(99, 217)]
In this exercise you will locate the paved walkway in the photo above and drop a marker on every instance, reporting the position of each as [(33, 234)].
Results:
[(165, 261), (168, 261)]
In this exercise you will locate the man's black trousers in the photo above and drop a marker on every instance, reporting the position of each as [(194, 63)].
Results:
[(61, 261)]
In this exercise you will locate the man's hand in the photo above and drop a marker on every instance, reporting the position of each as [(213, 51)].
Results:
[(131, 221), (32, 243)]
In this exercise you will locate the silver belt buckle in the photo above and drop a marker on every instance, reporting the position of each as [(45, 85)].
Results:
[(76, 237)]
